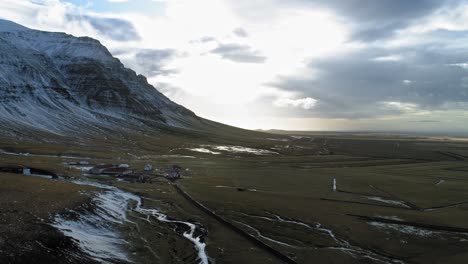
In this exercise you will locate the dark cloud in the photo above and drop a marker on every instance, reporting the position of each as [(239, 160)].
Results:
[(170, 90), (379, 19), (358, 85), (151, 62), (427, 121), (371, 19), (118, 52), (240, 32), (377, 31), (380, 10), (239, 53), (114, 28), (207, 39)]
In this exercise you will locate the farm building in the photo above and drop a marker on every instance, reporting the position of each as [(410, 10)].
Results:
[(110, 169), (100, 168), (173, 172), (27, 171), (13, 169), (116, 171), (148, 167), (77, 163), (135, 177), (173, 175)]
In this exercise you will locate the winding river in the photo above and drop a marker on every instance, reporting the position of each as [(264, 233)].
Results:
[(94, 230)]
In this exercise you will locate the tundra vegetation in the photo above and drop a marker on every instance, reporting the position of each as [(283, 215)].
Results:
[(397, 198)]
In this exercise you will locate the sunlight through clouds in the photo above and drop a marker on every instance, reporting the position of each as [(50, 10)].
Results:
[(282, 60)]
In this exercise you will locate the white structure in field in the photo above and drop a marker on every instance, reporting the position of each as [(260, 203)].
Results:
[(334, 184), (148, 167)]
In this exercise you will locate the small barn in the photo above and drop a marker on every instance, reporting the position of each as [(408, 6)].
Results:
[(135, 177), (100, 168), (27, 171), (13, 169), (116, 171), (148, 167), (174, 172)]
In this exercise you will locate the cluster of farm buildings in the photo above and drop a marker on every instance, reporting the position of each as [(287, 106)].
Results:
[(125, 171), (122, 171)]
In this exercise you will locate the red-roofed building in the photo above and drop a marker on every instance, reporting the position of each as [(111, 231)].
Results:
[(116, 171)]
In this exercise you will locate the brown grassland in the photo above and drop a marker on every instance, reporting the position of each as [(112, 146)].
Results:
[(398, 199)]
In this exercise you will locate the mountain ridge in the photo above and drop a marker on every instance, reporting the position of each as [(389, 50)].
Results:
[(57, 82)]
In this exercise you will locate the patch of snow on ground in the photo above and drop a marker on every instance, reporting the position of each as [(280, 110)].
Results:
[(222, 186), (392, 217), (259, 234), (241, 149), (27, 154), (409, 230), (344, 245), (204, 150), (85, 169), (387, 201), (278, 139), (299, 137), (174, 156), (94, 231), (440, 182)]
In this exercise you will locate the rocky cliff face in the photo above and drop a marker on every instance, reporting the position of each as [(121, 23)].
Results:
[(60, 83)]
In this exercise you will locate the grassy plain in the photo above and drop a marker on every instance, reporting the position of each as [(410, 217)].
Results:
[(27, 206), (286, 199)]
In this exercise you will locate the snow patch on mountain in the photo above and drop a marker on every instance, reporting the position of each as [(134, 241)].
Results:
[(57, 83), (9, 26)]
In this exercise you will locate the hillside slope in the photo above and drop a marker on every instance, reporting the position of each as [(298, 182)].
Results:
[(63, 84)]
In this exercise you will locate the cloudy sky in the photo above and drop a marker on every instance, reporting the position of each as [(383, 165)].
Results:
[(398, 65)]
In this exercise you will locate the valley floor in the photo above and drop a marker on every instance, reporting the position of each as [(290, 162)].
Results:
[(27, 207), (316, 198)]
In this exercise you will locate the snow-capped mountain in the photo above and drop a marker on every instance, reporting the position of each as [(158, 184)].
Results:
[(60, 83)]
